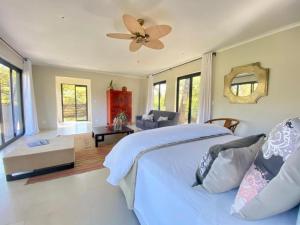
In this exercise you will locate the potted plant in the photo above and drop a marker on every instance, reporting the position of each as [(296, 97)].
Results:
[(111, 85)]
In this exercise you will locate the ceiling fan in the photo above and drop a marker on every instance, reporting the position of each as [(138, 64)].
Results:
[(139, 35)]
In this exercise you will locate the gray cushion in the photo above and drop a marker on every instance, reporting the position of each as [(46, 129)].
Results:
[(213, 154), (150, 124), (228, 170), (140, 123), (272, 184)]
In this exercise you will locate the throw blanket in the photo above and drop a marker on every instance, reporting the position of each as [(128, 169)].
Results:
[(123, 155)]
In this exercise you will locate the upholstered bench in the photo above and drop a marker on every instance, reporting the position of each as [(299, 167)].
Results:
[(23, 161)]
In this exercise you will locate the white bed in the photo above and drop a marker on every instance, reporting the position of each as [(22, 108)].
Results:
[(164, 196)]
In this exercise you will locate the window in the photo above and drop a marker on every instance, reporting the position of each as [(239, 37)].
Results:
[(159, 95), (187, 98), (243, 89), (74, 102), (11, 107)]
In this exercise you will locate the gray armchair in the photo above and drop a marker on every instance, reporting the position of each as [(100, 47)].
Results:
[(148, 124)]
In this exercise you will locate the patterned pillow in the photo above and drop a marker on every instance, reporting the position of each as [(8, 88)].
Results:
[(272, 184), (162, 118), (148, 117), (224, 166)]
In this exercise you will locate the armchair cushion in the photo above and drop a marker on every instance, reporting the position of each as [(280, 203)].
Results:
[(150, 124), (139, 117)]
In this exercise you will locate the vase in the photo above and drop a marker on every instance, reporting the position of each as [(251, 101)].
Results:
[(117, 124)]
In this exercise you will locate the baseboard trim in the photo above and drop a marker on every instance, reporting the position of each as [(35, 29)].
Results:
[(38, 172)]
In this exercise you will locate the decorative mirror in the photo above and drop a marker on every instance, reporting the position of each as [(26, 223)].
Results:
[(246, 84)]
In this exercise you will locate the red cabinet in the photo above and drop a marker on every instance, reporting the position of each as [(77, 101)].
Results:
[(117, 102)]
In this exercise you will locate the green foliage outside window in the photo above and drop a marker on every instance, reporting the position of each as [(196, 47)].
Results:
[(159, 96), (5, 85)]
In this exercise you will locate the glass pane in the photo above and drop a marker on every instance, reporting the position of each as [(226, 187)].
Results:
[(244, 89), (183, 100), (163, 88), (81, 102), (68, 99), (195, 99), (156, 97), (18, 114), (254, 87), (234, 89), (6, 103)]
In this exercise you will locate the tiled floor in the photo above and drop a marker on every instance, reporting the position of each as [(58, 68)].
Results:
[(69, 128), (83, 199)]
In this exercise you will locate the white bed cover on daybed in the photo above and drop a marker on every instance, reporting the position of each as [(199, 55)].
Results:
[(164, 195)]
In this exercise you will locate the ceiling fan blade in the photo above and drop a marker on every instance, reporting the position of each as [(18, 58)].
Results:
[(155, 44), (156, 32), (134, 46), (120, 36), (133, 25)]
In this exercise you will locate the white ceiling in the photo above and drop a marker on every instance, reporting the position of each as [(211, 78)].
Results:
[(37, 30)]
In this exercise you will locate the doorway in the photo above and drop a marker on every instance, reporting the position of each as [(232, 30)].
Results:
[(74, 99)]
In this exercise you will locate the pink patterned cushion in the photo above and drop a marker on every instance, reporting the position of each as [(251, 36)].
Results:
[(274, 164)]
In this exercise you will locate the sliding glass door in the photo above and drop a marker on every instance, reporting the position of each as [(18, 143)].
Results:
[(74, 102), (11, 109), (187, 99)]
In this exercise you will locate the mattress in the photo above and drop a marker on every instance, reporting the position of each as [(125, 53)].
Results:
[(164, 195)]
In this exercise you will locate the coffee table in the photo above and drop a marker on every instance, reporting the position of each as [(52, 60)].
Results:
[(100, 132)]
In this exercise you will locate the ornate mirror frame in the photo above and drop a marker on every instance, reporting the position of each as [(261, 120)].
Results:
[(262, 75)]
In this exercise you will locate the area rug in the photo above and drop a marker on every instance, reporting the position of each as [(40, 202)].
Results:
[(87, 158)]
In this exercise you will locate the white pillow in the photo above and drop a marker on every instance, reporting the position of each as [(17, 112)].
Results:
[(147, 117), (162, 118)]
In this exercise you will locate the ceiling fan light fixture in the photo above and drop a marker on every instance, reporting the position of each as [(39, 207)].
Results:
[(148, 37)]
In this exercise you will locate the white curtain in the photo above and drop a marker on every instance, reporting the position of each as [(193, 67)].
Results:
[(149, 105), (204, 113), (30, 115)]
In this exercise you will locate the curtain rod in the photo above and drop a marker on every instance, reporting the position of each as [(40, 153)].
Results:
[(12, 48), (153, 74)]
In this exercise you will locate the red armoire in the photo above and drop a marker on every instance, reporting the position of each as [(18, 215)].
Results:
[(117, 102)]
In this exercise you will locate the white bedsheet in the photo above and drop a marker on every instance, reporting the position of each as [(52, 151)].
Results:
[(164, 195), (121, 158)]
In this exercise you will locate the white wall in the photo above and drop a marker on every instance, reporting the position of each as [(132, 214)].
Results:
[(45, 90), (281, 54), (10, 56), (170, 76)]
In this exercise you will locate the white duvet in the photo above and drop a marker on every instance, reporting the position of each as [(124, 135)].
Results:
[(121, 158)]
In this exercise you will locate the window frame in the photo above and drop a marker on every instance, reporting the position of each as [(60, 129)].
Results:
[(16, 137), (190, 77), (159, 83)]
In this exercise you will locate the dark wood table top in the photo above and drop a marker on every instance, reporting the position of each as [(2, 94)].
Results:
[(110, 130)]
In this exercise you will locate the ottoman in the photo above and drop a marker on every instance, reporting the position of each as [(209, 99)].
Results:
[(23, 161)]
